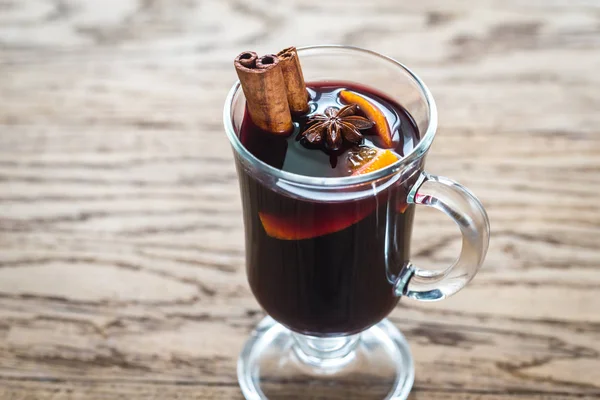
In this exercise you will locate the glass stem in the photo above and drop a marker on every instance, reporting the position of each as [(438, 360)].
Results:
[(325, 352)]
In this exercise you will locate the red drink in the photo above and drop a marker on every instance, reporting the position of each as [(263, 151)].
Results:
[(326, 181), (321, 267)]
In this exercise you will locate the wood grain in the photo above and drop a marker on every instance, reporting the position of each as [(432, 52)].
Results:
[(121, 239)]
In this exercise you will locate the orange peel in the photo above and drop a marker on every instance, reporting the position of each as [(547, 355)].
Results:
[(373, 113)]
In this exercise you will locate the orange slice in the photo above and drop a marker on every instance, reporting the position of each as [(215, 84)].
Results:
[(373, 113), (382, 159), (323, 220)]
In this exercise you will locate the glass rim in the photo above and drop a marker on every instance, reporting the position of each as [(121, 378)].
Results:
[(418, 151)]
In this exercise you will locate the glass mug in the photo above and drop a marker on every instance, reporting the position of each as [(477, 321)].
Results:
[(327, 296)]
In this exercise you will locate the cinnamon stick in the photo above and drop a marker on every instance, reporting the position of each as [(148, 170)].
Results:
[(247, 59), (294, 80), (265, 91)]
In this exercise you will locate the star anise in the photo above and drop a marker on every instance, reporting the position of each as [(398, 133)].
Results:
[(335, 125)]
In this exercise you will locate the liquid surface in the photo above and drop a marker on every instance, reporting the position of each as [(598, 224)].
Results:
[(293, 154)]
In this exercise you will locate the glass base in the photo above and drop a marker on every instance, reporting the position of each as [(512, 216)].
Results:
[(279, 364)]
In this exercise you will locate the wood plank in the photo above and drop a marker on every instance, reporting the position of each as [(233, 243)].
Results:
[(42, 391)]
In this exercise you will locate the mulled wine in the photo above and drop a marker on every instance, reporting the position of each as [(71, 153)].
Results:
[(320, 267)]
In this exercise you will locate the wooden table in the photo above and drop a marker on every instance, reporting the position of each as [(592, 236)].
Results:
[(121, 239)]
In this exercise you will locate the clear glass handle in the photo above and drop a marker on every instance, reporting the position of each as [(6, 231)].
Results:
[(466, 210)]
